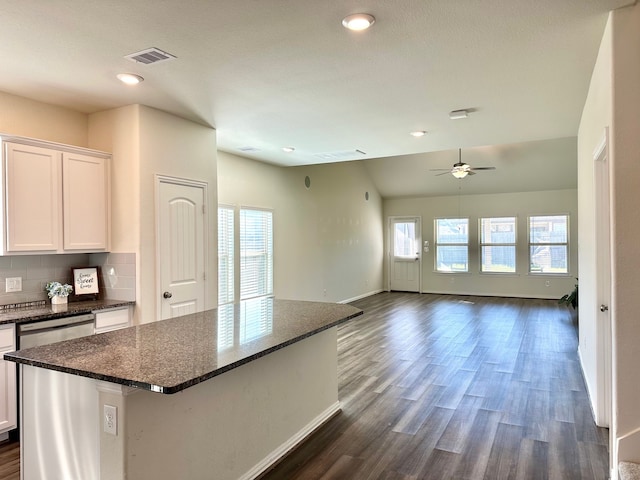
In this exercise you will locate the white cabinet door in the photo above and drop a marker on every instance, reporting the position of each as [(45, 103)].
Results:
[(33, 198), (85, 182), (8, 392)]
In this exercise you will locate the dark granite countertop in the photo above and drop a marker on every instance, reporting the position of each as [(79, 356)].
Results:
[(48, 311), (170, 355)]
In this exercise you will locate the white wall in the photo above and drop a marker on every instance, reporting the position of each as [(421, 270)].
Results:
[(596, 116), (145, 142), (614, 100), (326, 238), (474, 207), (172, 146), (625, 142)]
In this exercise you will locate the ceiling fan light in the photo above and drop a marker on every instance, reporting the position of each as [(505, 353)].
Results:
[(459, 173)]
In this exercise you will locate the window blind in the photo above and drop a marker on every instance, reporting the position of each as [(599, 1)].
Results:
[(256, 253)]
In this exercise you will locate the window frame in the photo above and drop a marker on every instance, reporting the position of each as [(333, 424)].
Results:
[(566, 244), (230, 294), (482, 244), (449, 244)]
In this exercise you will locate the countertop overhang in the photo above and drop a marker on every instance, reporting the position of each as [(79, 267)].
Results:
[(171, 355)]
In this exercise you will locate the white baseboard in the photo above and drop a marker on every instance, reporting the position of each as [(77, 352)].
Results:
[(588, 385), (280, 452), (493, 294), (359, 297)]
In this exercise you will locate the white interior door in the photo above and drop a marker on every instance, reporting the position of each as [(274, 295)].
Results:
[(404, 253), (603, 282), (182, 244)]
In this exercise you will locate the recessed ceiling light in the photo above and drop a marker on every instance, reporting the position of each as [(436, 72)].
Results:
[(130, 78), (458, 114), (418, 133), (288, 149), (358, 21)]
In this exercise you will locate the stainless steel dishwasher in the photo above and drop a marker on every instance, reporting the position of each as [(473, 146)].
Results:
[(33, 334)]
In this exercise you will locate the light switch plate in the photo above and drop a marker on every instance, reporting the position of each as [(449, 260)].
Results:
[(13, 284)]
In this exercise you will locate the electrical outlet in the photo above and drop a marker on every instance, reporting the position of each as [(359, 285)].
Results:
[(13, 284), (110, 419)]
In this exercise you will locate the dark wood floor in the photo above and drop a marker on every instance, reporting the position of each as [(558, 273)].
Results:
[(446, 387), (9, 461)]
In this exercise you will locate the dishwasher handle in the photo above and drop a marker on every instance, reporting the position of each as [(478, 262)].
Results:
[(32, 327)]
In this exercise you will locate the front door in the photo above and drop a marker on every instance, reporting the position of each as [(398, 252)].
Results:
[(404, 254), (181, 246)]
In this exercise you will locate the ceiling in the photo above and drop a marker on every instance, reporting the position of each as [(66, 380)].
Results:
[(274, 73)]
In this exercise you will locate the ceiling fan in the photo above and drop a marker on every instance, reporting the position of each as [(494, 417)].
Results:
[(459, 169)]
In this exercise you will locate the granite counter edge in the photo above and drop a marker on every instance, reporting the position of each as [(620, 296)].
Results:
[(168, 390)]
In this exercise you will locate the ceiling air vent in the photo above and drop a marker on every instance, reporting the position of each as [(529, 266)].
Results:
[(149, 56), (343, 155)]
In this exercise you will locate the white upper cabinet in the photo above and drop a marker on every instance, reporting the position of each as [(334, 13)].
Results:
[(56, 198), (33, 195), (85, 182)]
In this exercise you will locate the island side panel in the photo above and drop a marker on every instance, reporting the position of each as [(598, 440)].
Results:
[(236, 425)]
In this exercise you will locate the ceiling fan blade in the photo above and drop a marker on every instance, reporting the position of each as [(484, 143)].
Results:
[(471, 172), (483, 168), (443, 173), (439, 169)]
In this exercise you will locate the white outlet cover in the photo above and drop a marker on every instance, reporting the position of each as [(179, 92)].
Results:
[(110, 419)]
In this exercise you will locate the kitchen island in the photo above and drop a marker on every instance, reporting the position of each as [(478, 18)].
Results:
[(221, 394)]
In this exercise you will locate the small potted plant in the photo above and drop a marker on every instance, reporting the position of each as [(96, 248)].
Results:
[(58, 292), (570, 298)]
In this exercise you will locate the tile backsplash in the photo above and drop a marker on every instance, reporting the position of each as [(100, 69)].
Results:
[(118, 274)]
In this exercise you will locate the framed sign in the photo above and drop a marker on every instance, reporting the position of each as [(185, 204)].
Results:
[(85, 281)]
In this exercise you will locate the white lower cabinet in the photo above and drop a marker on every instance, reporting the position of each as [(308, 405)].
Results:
[(8, 391), (112, 319)]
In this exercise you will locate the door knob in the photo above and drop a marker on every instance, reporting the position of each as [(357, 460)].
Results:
[(604, 308), (167, 295)]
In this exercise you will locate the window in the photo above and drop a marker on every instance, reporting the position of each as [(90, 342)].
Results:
[(225, 255), (256, 253), (405, 243), (254, 249), (452, 244), (549, 244), (498, 245)]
